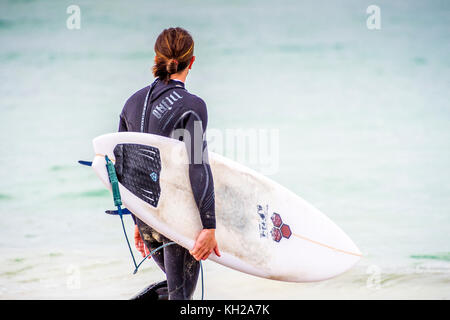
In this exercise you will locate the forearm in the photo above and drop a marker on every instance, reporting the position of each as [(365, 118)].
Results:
[(203, 189), (200, 174)]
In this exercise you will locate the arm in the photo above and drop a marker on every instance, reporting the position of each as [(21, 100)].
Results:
[(200, 174), (123, 123), (201, 182)]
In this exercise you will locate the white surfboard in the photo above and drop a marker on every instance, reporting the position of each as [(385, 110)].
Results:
[(262, 228)]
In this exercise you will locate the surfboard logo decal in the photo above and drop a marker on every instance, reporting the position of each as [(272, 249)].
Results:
[(262, 212), (276, 219), (280, 230), (286, 231), (154, 176), (276, 234)]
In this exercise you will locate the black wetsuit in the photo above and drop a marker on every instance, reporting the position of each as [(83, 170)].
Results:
[(170, 110)]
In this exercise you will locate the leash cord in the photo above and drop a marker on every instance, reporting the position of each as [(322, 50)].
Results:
[(118, 202)]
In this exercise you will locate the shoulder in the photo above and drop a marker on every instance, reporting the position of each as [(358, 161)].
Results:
[(136, 98), (197, 104)]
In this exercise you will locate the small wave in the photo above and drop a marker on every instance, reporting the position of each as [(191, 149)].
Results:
[(58, 168), (55, 254), (439, 256), (52, 57), (15, 272), (6, 24), (5, 196), (420, 61)]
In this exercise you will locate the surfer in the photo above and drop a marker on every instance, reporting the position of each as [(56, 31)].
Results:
[(166, 108)]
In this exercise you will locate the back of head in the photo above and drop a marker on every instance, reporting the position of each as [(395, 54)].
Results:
[(174, 49)]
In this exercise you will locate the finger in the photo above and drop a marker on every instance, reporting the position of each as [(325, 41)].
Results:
[(199, 255), (137, 235), (205, 254), (193, 253), (142, 248), (216, 251), (147, 252), (196, 250)]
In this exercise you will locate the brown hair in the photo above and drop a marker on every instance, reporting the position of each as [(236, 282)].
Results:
[(174, 49)]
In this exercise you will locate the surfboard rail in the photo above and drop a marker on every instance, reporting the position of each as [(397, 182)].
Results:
[(263, 228)]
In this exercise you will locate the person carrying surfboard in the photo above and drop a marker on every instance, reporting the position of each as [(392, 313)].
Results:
[(166, 108)]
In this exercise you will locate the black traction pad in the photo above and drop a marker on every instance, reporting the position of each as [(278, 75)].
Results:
[(138, 168)]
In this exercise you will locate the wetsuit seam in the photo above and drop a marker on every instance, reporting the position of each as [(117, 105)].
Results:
[(181, 118), (167, 122), (206, 186), (127, 125), (144, 108)]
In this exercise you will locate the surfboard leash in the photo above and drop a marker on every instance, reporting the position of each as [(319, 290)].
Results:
[(118, 203), (166, 245), (120, 212)]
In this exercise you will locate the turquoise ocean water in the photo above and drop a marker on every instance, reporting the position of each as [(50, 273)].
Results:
[(362, 118)]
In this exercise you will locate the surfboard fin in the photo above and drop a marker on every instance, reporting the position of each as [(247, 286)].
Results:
[(85, 163), (124, 211), (116, 212)]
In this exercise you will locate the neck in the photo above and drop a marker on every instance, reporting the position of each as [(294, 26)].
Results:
[(180, 76)]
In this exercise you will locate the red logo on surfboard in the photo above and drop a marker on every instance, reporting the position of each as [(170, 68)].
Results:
[(280, 230)]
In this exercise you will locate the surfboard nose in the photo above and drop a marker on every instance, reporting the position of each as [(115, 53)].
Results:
[(333, 258), (319, 263), (319, 250)]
